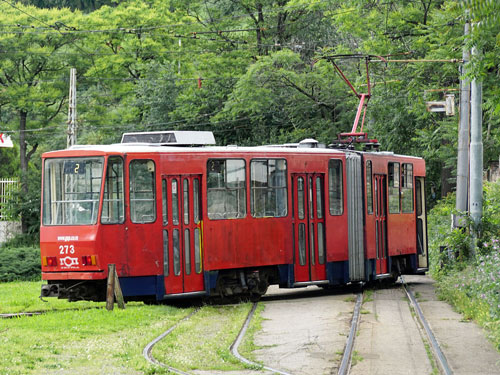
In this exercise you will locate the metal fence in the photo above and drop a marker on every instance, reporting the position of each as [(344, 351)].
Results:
[(8, 187)]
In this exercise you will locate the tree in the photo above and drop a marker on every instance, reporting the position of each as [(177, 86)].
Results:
[(25, 72)]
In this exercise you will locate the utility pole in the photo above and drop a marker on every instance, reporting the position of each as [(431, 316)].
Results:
[(71, 140), (463, 137), (476, 149)]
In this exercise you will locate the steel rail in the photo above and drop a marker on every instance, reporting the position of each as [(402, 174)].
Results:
[(239, 338), (20, 315), (345, 364), (43, 312), (149, 347), (438, 353)]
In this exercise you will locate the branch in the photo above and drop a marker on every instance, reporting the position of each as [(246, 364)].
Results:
[(30, 154), (58, 109), (304, 92)]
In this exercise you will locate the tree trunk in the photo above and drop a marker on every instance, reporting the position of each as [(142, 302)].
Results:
[(446, 186), (24, 162), (260, 24)]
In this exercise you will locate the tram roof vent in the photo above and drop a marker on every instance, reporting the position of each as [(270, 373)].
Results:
[(171, 138), (310, 143)]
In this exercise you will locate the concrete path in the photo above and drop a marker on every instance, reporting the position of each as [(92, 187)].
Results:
[(305, 336), (463, 343)]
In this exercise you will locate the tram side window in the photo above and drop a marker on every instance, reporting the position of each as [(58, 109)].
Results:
[(369, 188), (394, 202), (407, 188), (113, 211), (335, 187), (226, 189), (142, 191), (268, 192)]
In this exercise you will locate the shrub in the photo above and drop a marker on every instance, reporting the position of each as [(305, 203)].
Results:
[(22, 263)]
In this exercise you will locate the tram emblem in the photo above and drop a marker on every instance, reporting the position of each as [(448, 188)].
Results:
[(69, 262)]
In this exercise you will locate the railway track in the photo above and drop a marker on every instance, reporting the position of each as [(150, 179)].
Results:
[(23, 314), (345, 363), (437, 354), (20, 314), (436, 350), (147, 352)]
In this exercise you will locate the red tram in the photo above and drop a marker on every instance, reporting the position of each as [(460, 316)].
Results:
[(225, 221)]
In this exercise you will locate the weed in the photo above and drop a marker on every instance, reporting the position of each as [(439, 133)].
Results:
[(367, 295), (356, 358)]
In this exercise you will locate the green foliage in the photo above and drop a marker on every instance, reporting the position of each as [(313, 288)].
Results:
[(263, 79), (474, 291), (19, 263)]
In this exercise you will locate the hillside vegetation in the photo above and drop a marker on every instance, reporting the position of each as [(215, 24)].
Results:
[(253, 72)]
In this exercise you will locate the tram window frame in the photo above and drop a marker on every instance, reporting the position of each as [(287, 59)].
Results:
[(164, 201), (69, 203), (336, 187), (394, 193), (133, 206), (119, 201), (223, 191), (369, 187), (407, 205), (267, 187)]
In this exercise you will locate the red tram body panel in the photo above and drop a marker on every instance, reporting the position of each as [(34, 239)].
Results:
[(180, 221)]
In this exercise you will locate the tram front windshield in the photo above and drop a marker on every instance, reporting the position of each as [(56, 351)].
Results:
[(71, 190)]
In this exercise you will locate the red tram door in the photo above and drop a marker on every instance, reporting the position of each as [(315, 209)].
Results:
[(381, 222), (182, 234), (309, 227)]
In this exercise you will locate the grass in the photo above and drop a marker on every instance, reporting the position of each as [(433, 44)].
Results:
[(84, 338), (23, 296), (356, 358), (74, 338), (470, 304), (367, 295), (83, 341), (203, 341)]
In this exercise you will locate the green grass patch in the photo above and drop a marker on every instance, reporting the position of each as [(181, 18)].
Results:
[(22, 296), (83, 341), (367, 295), (203, 341), (455, 289)]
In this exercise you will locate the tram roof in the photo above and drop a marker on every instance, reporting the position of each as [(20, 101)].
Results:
[(128, 148)]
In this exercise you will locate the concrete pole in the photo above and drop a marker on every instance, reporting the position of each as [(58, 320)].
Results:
[(476, 150), (71, 139), (463, 138)]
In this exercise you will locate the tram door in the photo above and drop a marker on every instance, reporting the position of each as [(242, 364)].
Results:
[(423, 261), (309, 227), (182, 233), (381, 222)]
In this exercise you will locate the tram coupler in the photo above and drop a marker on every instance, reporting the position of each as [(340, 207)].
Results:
[(50, 290)]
